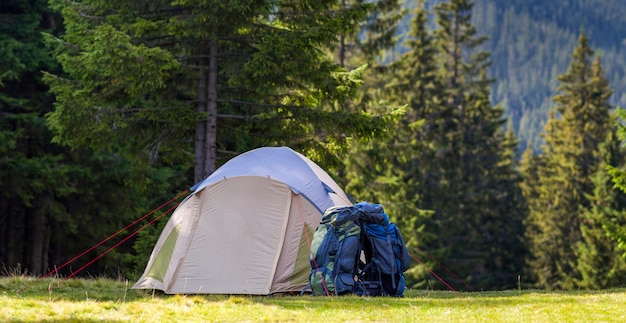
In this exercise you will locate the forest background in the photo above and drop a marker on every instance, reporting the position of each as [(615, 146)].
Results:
[(496, 155)]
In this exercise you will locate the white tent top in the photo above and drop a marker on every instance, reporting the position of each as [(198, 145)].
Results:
[(284, 165)]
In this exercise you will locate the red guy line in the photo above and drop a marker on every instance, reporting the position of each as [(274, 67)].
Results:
[(436, 276), (113, 235), (444, 267), (121, 242)]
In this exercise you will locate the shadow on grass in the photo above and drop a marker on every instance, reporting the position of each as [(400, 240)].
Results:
[(107, 290), (69, 290)]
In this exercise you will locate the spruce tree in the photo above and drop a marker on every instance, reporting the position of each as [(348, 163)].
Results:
[(55, 202), (509, 248), (31, 173), (374, 35), (615, 227), (451, 153), (598, 258), (571, 158), (470, 183), (366, 48), (206, 79), (529, 169), (386, 171)]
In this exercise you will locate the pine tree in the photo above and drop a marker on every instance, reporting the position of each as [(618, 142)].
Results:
[(509, 249), (162, 73), (615, 227), (54, 202), (449, 117), (29, 167), (384, 171), (529, 169), (571, 158), (366, 47), (470, 181), (374, 35), (598, 259)]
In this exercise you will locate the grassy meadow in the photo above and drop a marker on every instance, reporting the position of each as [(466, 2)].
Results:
[(24, 299)]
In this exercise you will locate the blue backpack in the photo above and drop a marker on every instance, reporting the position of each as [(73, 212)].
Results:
[(334, 252), (357, 250)]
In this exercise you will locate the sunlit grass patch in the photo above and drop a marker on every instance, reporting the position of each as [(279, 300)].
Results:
[(27, 299)]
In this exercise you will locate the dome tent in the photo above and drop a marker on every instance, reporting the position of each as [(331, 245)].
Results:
[(245, 229)]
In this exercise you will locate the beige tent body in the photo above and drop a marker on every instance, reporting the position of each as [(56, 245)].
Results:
[(246, 229)]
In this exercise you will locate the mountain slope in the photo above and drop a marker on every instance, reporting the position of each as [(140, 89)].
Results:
[(530, 42)]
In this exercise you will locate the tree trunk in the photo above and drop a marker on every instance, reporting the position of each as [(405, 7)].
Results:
[(12, 232), (57, 250), (37, 238), (199, 142), (206, 129), (4, 228), (342, 43), (210, 146), (45, 250)]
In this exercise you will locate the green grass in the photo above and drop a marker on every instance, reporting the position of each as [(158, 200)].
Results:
[(24, 299)]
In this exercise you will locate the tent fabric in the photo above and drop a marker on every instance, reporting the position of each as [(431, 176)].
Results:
[(245, 229), (285, 165)]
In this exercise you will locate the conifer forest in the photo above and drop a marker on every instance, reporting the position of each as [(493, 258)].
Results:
[(490, 130)]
